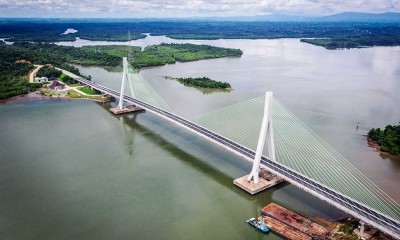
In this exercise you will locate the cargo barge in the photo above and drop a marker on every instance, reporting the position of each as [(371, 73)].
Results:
[(295, 221), (284, 229)]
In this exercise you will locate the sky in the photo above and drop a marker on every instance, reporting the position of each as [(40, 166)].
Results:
[(187, 8)]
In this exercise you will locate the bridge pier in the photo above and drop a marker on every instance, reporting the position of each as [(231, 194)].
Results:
[(256, 182), (266, 181)]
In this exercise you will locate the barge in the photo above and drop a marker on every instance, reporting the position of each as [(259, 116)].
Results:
[(296, 221)]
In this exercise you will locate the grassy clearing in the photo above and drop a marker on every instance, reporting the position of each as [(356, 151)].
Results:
[(89, 91), (74, 94)]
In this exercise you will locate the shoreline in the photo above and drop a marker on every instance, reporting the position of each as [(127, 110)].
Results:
[(382, 154), (37, 96)]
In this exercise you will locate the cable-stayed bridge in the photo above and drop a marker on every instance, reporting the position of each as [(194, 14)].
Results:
[(297, 155)]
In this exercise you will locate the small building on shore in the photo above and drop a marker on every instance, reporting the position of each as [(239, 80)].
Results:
[(56, 85), (41, 79)]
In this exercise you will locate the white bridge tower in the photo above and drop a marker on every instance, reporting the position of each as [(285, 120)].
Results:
[(120, 109), (252, 182), (124, 78), (266, 132)]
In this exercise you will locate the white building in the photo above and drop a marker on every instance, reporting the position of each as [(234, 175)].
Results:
[(41, 79)]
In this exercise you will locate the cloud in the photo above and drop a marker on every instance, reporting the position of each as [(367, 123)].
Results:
[(186, 8)]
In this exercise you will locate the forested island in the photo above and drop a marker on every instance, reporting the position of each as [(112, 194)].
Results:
[(340, 34), (203, 82), (388, 139), (353, 41), (17, 60)]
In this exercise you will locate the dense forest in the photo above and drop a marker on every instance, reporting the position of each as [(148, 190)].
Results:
[(341, 34), (48, 71), (354, 41), (204, 82), (388, 139), (111, 55), (162, 54), (12, 78), (11, 72)]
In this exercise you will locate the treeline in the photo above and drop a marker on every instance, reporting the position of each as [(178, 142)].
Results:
[(48, 71), (63, 56), (36, 53), (162, 54), (345, 34), (51, 72), (155, 55), (388, 139), (50, 30), (204, 82), (13, 78), (355, 41), (13, 71)]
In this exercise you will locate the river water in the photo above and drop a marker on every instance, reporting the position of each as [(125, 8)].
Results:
[(72, 170)]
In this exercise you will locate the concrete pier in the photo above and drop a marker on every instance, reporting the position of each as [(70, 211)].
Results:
[(127, 109), (267, 180)]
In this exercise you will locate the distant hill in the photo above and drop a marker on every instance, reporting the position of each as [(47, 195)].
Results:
[(266, 18), (363, 17), (341, 17)]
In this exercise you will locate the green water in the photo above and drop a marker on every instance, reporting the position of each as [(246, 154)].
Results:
[(72, 170)]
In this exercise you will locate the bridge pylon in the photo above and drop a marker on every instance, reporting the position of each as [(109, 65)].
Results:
[(265, 132), (120, 109), (252, 183)]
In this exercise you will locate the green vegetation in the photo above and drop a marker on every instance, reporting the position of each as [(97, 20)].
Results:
[(73, 94), (157, 55), (48, 71), (388, 139), (342, 34), (203, 82), (13, 79), (111, 55), (36, 53), (346, 231), (170, 53), (13, 71), (62, 56), (89, 91), (354, 41), (16, 86), (49, 30), (67, 79)]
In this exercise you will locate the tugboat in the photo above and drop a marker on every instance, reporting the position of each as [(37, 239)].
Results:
[(260, 225)]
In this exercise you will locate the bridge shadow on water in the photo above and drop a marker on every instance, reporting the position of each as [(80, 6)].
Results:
[(173, 140), (165, 135)]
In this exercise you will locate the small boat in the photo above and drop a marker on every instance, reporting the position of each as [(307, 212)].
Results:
[(260, 225)]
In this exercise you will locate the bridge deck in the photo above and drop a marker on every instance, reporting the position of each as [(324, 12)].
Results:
[(359, 210)]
